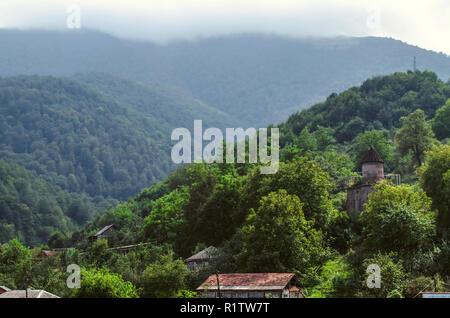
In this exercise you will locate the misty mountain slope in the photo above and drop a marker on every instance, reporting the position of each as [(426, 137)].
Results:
[(256, 79), (168, 105), (75, 136)]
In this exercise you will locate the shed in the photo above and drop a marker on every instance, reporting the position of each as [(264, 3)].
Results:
[(104, 232), (202, 258)]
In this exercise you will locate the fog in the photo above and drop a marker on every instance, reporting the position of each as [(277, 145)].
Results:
[(422, 23)]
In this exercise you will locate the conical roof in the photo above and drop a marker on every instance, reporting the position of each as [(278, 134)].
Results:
[(372, 156)]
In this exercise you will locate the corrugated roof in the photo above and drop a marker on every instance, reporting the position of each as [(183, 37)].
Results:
[(106, 228), (372, 156), (203, 255), (248, 281), (38, 293)]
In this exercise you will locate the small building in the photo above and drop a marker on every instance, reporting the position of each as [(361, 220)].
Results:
[(202, 258), (4, 289), (38, 293), (107, 230), (251, 285), (372, 174)]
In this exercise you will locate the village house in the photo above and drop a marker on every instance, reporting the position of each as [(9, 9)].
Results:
[(103, 233), (38, 293), (4, 289), (202, 258), (251, 285)]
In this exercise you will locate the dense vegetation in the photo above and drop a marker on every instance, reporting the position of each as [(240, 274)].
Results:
[(88, 139), (290, 221), (31, 209), (256, 79)]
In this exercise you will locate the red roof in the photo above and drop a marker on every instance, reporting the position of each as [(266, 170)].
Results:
[(250, 279)]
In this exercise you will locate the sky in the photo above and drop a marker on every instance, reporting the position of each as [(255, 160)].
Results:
[(417, 22)]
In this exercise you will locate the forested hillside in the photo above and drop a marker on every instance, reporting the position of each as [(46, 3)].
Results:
[(31, 209), (294, 220), (109, 137), (378, 103), (255, 79)]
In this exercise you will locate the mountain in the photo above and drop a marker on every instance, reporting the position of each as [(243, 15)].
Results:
[(196, 201), (32, 209), (96, 134), (377, 104), (255, 79)]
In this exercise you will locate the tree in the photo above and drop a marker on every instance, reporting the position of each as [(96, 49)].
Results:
[(277, 238), (100, 283), (301, 177), (15, 263), (165, 278), (441, 122), (57, 240), (167, 216), (397, 218), (416, 135), (392, 275), (379, 140), (435, 181)]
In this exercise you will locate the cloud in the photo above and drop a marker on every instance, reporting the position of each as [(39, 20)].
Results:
[(422, 23)]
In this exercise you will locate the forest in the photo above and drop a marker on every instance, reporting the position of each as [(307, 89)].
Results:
[(291, 221)]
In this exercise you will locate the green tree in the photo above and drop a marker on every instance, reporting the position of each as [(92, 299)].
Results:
[(397, 218), (15, 263), (301, 177), (167, 216), (101, 283), (56, 240), (277, 238), (435, 180), (380, 141), (165, 278), (441, 122), (416, 135), (392, 274)]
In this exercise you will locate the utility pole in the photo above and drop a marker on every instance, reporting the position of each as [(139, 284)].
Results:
[(218, 285)]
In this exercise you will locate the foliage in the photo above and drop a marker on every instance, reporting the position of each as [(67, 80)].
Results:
[(165, 278), (392, 276), (415, 135), (379, 140), (278, 238), (441, 120), (100, 283), (397, 218), (435, 180)]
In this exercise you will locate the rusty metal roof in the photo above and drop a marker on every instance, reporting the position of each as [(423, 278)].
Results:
[(263, 281)]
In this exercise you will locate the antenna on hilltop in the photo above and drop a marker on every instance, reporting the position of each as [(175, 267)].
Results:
[(414, 65)]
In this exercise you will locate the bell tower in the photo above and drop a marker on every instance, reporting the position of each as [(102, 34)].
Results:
[(372, 167)]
